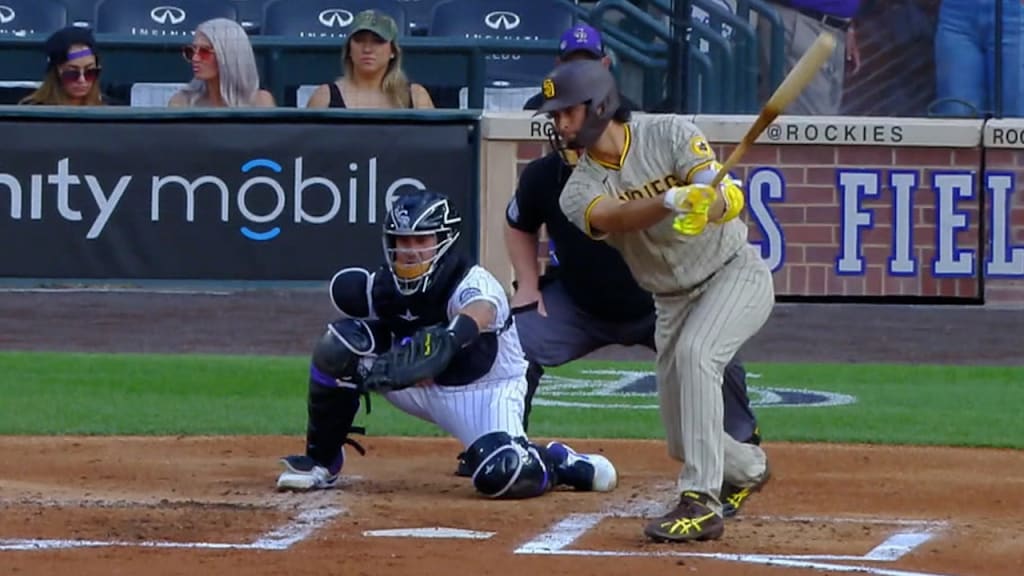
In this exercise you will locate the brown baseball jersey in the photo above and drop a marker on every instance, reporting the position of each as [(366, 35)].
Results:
[(661, 151)]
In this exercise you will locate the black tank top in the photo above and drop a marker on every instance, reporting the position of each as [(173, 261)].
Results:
[(338, 101)]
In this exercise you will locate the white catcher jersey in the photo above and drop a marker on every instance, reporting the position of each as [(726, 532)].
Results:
[(479, 284), (661, 151)]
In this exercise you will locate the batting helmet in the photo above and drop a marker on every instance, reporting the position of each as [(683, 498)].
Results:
[(582, 82), (419, 213)]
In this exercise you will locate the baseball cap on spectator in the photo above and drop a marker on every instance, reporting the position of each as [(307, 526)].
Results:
[(581, 38), (377, 22), (59, 44)]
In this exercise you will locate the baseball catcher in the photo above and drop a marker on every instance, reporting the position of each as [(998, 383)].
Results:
[(433, 335)]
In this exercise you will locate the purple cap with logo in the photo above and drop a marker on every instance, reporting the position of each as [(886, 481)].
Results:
[(581, 37)]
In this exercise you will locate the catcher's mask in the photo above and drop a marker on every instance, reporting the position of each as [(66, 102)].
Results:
[(430, 226), (582, 82)]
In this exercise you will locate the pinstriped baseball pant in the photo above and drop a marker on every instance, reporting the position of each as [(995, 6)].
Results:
[(697, 334), (468, 412)]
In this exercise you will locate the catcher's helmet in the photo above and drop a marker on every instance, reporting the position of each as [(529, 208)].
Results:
[(419, 213), (582, 82)]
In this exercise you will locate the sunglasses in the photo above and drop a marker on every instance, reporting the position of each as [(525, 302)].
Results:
[(190, 52), (74, 74)]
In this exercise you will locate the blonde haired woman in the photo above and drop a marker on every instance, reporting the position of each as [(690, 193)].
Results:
[(373, 76), (224, 69), (72, 71)]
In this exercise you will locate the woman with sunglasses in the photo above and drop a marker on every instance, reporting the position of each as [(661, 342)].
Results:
[(373, 78), (223, 68), (72, 71)]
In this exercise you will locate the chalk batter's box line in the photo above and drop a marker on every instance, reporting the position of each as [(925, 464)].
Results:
[(556, 541), (310, 519)]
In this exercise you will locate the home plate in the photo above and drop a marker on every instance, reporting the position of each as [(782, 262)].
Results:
[(434, 532)]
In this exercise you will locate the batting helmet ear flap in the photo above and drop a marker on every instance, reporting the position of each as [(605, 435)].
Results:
[(599, 114)]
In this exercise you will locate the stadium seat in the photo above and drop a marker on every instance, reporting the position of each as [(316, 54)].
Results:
[(21, 17), (81, 12), (250, 14), (159, 17), (418, 14), (153, 94), (505, 19), (322, 18), (11, 92)]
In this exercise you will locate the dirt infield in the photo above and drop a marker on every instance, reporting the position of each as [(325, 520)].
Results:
[(208, 504), (201, 506)]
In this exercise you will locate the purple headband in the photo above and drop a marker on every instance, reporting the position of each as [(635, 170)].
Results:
[(79, 53)]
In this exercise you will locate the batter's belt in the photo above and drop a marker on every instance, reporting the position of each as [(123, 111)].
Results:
[(698, 288)]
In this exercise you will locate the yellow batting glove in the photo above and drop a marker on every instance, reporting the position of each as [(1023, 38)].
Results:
[(734, 199), (692, 203)]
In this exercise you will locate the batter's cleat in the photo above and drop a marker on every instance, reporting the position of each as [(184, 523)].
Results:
[(303, 474), (588, 472), (462, 470), (691, 520), (733, 497)]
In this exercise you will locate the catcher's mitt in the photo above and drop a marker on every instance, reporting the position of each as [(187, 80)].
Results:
[(421, 357)]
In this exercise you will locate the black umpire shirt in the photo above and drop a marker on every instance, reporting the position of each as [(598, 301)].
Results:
[(593, 273)]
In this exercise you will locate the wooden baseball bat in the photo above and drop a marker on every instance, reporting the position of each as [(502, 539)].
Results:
[(794, 83)]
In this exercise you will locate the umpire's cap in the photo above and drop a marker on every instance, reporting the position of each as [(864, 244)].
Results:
[(587, 82)]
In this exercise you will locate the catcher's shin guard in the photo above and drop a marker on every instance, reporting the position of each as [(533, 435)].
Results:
[(507, 467), (331, 411), (331, 406)]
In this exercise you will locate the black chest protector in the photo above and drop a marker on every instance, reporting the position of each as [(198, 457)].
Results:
[(404, 315)]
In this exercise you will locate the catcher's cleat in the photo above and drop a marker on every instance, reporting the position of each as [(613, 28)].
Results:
[(691, 520), (303, 474), (589, 472), (733, 497)]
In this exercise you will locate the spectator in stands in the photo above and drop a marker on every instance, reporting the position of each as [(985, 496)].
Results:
[(581, 42), (224, 69), (965, 45), (803, 21), (72, 71), (373, 77)]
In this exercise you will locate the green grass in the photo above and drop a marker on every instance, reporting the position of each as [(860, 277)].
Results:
[(46, 393)]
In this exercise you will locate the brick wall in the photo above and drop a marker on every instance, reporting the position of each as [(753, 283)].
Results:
[(810, 216), (1008, 290)]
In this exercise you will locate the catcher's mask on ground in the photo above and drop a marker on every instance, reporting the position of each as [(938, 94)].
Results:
[(419, 231)]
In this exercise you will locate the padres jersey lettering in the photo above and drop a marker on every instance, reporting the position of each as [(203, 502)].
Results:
[(661, 259)]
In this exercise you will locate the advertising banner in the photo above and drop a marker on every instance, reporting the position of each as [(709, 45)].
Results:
[(224, 200)]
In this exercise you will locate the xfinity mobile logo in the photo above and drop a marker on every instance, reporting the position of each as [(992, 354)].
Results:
[(271, 195)]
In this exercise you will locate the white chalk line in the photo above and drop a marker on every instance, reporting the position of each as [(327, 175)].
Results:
[(914, 533), (314, 513)]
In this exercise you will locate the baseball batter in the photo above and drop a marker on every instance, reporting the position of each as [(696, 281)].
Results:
[(433, 334), (641, 185)]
